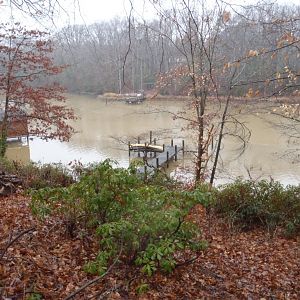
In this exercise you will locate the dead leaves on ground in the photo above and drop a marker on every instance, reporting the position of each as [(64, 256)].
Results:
[(243, 265)]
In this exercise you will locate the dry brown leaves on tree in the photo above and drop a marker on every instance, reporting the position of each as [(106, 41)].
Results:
[(42, 259)]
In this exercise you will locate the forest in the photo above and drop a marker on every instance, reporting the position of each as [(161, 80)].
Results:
[(124, 55)]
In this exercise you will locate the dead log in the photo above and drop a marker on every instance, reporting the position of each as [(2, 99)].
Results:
[(9, 184)]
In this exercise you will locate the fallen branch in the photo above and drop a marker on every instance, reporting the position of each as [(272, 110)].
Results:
[(95, 279), (109, 291), (187, 262), (15, 239)]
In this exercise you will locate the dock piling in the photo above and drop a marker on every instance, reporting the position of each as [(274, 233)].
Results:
[(139, 155), (161, 156), (145, 172), (167, 159)]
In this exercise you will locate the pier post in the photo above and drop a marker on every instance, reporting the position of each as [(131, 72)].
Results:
[(167, 159), (175, 152), (145, 172), (150, 137), (157, 163), (154, 141), (212, 148), (163, 147), (172, 143), (183, 147), (139, 155), (129, 149)]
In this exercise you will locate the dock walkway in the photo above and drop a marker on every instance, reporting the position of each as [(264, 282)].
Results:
[(159, 155), (160, 160)]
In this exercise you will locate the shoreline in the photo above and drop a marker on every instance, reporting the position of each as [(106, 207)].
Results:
[(242, 100)]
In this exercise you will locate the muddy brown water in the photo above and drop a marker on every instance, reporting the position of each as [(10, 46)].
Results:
[(105, 128)]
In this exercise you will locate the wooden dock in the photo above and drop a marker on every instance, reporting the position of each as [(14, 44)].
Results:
[(160, 159)]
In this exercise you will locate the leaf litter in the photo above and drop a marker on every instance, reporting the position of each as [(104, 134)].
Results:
[(236, 265)]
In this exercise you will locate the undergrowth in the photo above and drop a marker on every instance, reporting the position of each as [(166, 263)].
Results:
[(269, 204), (36, 175), (137, 223)]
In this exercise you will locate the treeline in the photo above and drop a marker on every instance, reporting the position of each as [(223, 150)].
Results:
[(129, 55)]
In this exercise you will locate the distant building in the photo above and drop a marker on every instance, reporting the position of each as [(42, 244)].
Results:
[(17, 124)]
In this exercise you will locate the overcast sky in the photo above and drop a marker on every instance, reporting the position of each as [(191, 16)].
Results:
[(90, 11), (95, 10)]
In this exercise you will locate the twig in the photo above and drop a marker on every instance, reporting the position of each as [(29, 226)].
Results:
[(109, 291), (187, 262), (95, 279), (15, 239)]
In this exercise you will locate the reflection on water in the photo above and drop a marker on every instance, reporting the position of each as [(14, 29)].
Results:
[(18, 151), (102, 125)]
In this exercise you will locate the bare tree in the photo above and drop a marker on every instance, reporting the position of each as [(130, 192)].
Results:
[(36, 9)]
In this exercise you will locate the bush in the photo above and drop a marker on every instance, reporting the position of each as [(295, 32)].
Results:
[(35, 175), (250, 204), (136, 222)]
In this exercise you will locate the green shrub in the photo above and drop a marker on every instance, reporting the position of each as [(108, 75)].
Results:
[(136, 222), (268, 204), (96, 198), (34, 296), (142, 288)]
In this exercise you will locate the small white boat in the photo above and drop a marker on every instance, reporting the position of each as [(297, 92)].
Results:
[(146, 147)]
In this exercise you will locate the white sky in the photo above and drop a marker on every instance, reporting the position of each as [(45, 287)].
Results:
[(79, 11), (95, 10), (90, 11)]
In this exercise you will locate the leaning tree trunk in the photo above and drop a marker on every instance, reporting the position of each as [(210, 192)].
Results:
[(213, 172)]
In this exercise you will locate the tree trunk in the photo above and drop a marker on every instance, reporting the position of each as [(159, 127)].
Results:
[(200, 114), (3, 138), (212, 177)]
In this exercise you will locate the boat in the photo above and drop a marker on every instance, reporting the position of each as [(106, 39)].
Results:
[(146, 147), (135, 98)]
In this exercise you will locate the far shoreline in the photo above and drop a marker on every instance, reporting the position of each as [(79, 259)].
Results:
[(243, 100)]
